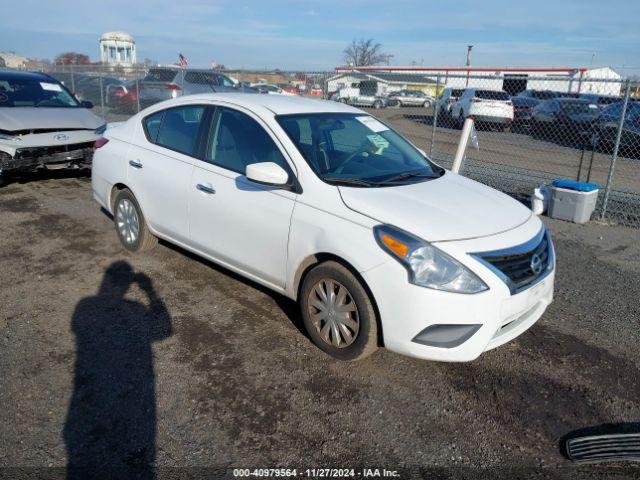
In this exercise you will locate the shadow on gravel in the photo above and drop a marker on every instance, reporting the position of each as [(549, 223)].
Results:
[(111, 421)]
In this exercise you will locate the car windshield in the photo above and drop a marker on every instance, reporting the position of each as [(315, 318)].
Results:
[(543, 94), (34, 92), (356, 149), (492, 95)]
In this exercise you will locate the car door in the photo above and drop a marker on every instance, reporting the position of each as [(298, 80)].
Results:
[(415, 98), (233, 220), (160, 166)]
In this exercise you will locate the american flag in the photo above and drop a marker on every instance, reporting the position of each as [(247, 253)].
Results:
[(182, 61)]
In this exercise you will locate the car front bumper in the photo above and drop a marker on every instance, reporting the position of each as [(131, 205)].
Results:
[(406, 310)]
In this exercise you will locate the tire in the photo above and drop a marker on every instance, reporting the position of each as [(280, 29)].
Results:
[(361, 319), (344, 100), (127, 216), (427, 104), (377, 105)]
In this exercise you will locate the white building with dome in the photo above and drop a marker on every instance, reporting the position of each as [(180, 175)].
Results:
[(117, 48)]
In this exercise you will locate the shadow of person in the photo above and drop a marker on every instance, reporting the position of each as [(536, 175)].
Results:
[(111, 422)]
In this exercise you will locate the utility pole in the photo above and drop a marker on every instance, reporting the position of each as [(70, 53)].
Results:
[(469, 48)]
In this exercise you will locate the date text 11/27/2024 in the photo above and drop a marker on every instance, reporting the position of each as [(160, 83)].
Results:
[(316, 472)]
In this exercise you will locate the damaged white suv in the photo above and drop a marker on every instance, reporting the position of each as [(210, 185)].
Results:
[(42, 125)]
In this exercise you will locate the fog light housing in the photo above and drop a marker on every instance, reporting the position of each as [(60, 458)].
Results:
[(444, 335)]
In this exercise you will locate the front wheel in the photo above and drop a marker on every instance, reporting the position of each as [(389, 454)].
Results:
[(338, 313), (131, 226)]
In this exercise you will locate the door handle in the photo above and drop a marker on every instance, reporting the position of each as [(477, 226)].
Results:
[(205, 188), (135, 164)]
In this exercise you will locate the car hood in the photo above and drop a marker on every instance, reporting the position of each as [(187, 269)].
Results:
[(28, 118), (451, 207)]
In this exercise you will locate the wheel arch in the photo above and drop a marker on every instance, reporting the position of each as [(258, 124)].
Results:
[(316, 259), (118, 187)]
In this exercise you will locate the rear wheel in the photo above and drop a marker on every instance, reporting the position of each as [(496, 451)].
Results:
[(338, 313), (131, 226), (377, 104)]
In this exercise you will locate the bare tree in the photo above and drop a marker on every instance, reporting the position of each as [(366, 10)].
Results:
[(364, 53)]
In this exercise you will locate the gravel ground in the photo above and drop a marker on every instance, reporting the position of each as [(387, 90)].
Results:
[(165, 358)]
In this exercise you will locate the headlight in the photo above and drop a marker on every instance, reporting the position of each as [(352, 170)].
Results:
[(427, 265), (101, 129)]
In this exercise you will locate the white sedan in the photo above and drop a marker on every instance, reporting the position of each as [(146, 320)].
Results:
[(327, 205)]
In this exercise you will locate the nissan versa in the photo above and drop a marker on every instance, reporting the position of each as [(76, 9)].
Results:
[(42, 125), (327, 205)]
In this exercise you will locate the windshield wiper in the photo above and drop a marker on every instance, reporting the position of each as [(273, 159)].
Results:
[(405, 175), (350, 181)]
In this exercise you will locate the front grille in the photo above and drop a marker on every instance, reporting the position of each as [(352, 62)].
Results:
[(524, 265), (69, 151), (600, 448)]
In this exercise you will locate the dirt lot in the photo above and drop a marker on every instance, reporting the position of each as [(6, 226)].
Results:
[(191, 366)]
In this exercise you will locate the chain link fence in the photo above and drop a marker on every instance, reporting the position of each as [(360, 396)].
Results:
[(530, 130)]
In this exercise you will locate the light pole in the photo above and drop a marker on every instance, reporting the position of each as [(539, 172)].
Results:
[(469, 48)]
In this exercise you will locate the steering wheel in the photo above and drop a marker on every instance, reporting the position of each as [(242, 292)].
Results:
[(351, 158)]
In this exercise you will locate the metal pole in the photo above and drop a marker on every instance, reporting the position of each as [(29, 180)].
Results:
[(436, 109), (616, 147), (73, 82), (137, 93), (101, 95), (462, 146)]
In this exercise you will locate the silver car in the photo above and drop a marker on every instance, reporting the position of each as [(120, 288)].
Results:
[(164, 83), (42, 125), (411, 98)]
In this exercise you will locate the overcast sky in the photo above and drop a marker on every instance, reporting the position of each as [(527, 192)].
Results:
[(297, 34)]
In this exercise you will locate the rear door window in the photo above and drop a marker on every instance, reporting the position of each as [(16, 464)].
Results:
[(152, 125), (161, 75), (179, 129)]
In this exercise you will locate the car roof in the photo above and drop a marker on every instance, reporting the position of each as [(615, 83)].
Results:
[(571, 100), (277, 104), (13, 74)]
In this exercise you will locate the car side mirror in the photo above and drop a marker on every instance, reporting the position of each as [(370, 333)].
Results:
[(267, 173), (86, 104)]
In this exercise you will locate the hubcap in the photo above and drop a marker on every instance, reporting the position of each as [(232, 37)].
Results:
[(127, 221), (333, 313)]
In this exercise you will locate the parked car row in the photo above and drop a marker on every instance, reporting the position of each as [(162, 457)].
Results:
[(567, 117), (367, 94)]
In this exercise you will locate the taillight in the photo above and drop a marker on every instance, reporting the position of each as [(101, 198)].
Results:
[(173, 86), (120, 93), (101, 142)]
